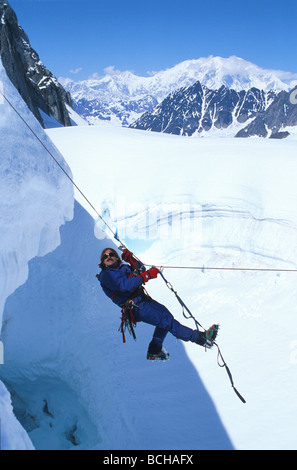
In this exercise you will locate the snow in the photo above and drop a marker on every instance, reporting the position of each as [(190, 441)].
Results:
[(12, 435), (29, 177), (76, 119), (213, 72), (121, 97), (50, 122), (176, 201), (35, 202), (246, 191)]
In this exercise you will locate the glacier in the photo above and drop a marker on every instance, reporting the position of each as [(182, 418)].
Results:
[(244, 196), (68, 381), (35, 201)]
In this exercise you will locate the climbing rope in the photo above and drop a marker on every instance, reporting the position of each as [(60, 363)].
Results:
[(190, 315), (230, 268)]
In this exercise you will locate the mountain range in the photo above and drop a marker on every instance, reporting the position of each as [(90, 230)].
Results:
[(195, 97), (123, 97), (198, 110)]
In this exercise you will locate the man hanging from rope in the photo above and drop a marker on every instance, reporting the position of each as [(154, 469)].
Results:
[(123, 284)]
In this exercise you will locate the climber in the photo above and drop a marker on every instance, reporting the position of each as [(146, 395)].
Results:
[(123, 284)]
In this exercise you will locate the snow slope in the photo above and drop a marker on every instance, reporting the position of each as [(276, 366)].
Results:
[(246, 193), (35, 200)]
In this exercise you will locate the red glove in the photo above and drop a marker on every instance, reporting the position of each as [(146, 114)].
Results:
[(150, 274), (127, 256)]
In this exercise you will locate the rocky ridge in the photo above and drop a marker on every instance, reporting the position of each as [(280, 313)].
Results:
[(36, 84)]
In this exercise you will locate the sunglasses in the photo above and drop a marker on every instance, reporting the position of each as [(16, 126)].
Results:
[(108, 255)]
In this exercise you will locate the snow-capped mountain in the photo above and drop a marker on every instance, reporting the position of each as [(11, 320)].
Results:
[(122, 97), (41, 91), (276, 121), (197, 110)]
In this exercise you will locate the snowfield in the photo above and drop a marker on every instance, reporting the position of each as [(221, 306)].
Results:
[(176, 202), (243, 192)]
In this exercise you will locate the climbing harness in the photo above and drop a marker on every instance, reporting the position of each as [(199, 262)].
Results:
[(128, 321)]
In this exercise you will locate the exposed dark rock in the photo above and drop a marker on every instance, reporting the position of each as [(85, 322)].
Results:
[(197, 108), (281, 113), (279, 135), (35, 83)]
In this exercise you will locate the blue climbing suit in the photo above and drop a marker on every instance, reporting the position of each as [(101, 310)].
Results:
[(121, 285)]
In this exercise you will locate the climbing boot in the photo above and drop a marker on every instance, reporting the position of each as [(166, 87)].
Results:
[(158, 356), (210, 336)]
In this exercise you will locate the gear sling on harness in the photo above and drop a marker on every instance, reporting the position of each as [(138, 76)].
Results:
[(127, 321)]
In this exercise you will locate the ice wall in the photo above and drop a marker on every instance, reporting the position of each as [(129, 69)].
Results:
[(35, 200)]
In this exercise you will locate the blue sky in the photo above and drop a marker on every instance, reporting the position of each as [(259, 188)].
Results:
[(78, 38)]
